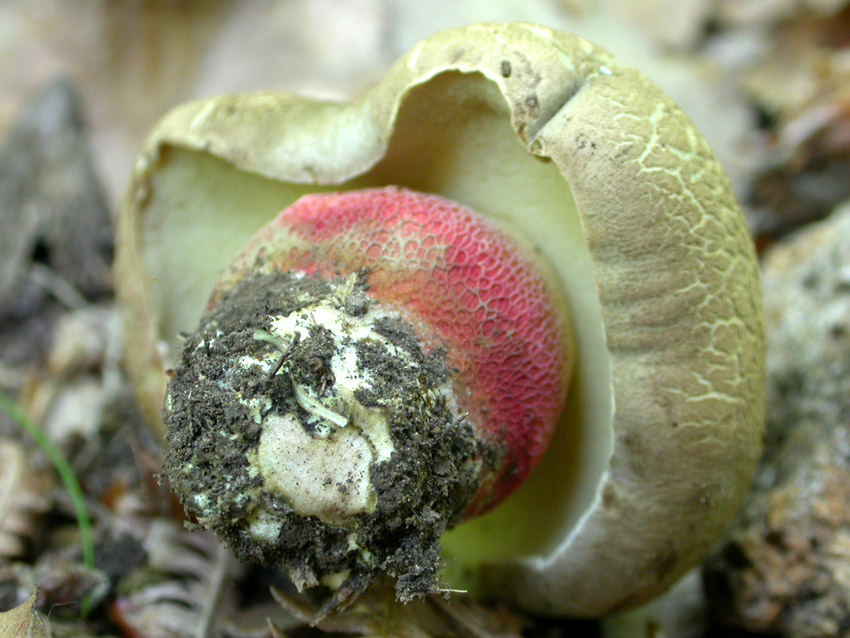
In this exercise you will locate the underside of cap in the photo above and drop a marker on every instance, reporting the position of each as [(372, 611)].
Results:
[(604, 177)]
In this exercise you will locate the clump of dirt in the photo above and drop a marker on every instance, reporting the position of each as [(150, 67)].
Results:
[(215, 427)]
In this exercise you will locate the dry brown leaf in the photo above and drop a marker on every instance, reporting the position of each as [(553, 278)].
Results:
[(23, 495), (749, 12), (803, 85), (23, 621), (183, 587)]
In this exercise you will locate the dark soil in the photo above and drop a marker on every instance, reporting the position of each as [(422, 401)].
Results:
[(421, 490)]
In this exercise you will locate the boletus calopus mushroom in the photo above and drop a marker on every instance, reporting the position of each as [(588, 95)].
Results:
[(366, 378)]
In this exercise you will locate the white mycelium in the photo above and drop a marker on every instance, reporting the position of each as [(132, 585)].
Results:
[(324, 470)]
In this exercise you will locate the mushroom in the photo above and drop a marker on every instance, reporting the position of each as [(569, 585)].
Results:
[(616, 194)]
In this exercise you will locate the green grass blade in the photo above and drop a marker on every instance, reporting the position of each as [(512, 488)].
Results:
[(66, 474)]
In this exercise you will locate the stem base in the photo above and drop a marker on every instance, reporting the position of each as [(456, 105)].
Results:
[(289, 370)]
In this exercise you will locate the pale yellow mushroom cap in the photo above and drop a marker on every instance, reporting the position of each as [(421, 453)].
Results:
[(607, 179)]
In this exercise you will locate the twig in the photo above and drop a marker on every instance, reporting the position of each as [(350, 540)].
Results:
[(60, 288), (209, 613)]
